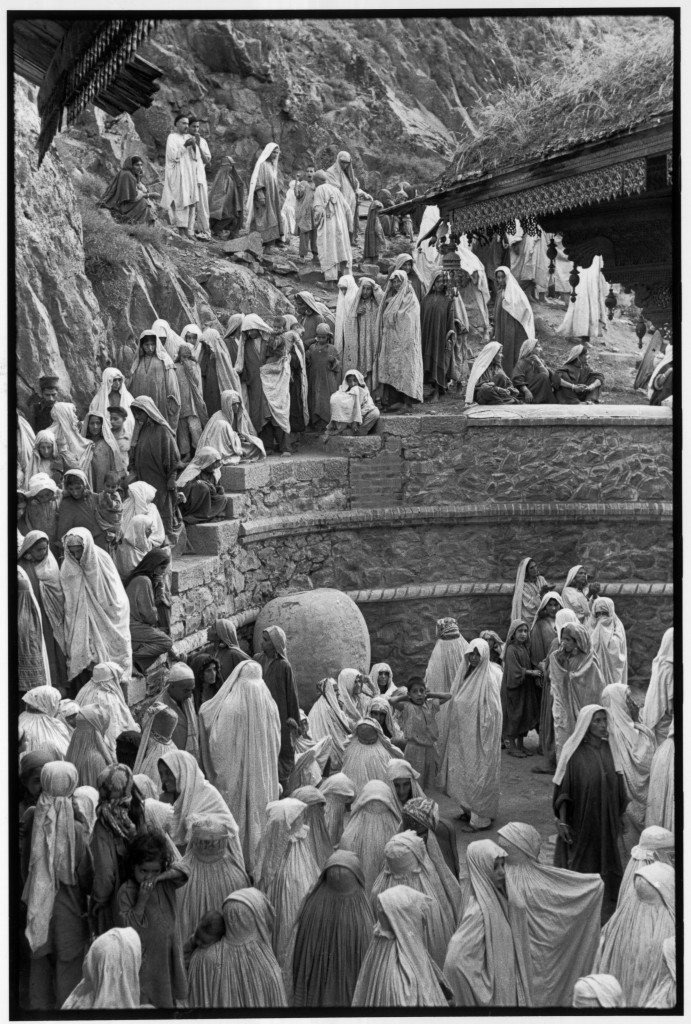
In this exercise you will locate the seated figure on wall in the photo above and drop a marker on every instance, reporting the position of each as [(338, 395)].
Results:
[(576, 381), (488, 384)]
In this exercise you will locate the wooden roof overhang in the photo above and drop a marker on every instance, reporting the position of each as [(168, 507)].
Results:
[(76, 61)]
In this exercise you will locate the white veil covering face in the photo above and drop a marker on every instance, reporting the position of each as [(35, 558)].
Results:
[(483, 361)]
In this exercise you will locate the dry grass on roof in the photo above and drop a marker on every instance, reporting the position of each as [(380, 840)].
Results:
[(598, 87)]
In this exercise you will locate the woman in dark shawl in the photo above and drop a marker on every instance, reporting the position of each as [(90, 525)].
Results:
[(530, 375), (589, 801), (155, 566), (375, 239), (438, 335), (205, 499), (487, 383), (126, 197), (223, 647), (207, 678), (575, 381), (154, 458), (513, 316), (79, 507), (113, 830), (388, 222), (323, 376), (333, 932), (226, 199), (278, 676), (149, 641), (519, 694)]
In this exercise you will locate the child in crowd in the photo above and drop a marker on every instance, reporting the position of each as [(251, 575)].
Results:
[(417, 713), (147, 903), (109, 510), (210, 929)]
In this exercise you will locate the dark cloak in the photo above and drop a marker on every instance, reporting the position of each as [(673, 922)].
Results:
[(123, 200), (436, 320), (519, 694), (278, 676), (154, 459), (530, 372), (226, 198)]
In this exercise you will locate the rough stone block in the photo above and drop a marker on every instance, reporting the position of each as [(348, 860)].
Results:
[(192, 571), (245, 243), (136, 689), (370, 270), (355, 447), (310, 274), (213, 538), (399, 426), (246, 477)]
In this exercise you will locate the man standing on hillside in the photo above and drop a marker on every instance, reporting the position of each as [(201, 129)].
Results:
[(334, 223), (340, 175), (181, 190), (42, 408), (304, 213), (203, 227)]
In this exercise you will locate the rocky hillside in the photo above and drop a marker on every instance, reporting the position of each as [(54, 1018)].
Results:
[(397, 93)]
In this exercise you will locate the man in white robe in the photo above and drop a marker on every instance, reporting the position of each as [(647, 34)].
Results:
[(341, 176), (334, 222), (181, 190), (203, 227)]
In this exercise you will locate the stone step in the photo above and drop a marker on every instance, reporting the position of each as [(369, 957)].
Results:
[(293, 484), (215, 538), (192, 571)]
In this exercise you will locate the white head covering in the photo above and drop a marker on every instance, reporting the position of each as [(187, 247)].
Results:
[(119, 458), (53, 849), (76, 449), (633, 744), (662, 365), (101, 400), (172, 340), (140, 501), (563, 616), (598, 990), (197, 796), (551, 595), (283, 817), (249, 206), (32, 459), (483, 361), (585, 716), (203, 458), (85, 799), (515, 302), (110, 973), (343, 304), (227, 374)]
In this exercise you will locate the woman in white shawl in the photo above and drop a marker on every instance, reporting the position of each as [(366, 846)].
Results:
[(664, 995), (231, 433), (326, 718), (584, 316), (134, 544), (106, 453), (381, 682), (406, 862), (563, 914), (631, 941), (470, 744), (360, 339), (658, 709), (75, 449), (153, 376), (347, 290), (513, 317), (633, 745), (39, 724), (488, 959), (655, 844), (140, 501), (58, 883), (353, 699), (367, 754), (445, 660), (488, 384), (398, 363), (104, 688), (40, 460), (241, 725), (184, 786), (41, 567), (26, 439), (340, 175), (575, 679), (660, 806), (286, 869), (33, 664), (97, 611), (527, 593), (215, 867), (318, 838), (339, 793), (398, 969), (573, 594), (373, 821), (263, 209), (110, 975), (275, 380), (474, 268), (165, 333), (608, 638), (109, 396), (352, 407), (334, 222)]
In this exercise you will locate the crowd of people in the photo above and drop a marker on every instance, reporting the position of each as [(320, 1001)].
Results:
[(217, 845)]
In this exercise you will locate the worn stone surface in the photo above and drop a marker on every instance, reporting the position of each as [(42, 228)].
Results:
[(325, 631)]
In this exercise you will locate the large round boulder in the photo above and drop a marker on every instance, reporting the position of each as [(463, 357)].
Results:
[(325, 631)]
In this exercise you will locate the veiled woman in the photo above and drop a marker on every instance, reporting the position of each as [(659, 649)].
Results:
[(333, 932), (241, 724), (513, 317), (216, 869), (660, 807), (397, 969), (185, 787), (41, 568), (658, 710), (226, 199), (373, 821), (126, 197), (43, 500), (231, 432), (105, 689), (634, 745), (589, 799), (33, 668), (39, 726), (72, 446), (530, 375), (96, 607), (217, 370), (113, 831), (527, 594), (88, 751), (608, 638), (655, 844), (488, 383), (573, 594), (438, 332), (154, 458), (470, 745), (44, 457), (576, 381), (339, 793), (298, 392), (153, 375), (205, 499), (360, 337), (222, 646), (327, 719), (575, 678), (367, 753), (263, 209), (347, 290), (398, 365)]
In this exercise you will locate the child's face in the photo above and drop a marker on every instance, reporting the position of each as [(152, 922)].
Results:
[(404, 789), (207, 933), (147, 871), (45, 450), (110, 486), (417, 693), (521, 634), (116, 422)]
